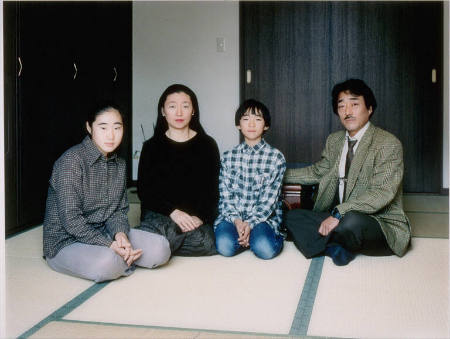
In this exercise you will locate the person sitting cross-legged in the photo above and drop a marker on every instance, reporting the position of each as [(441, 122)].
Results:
[(358, 208)]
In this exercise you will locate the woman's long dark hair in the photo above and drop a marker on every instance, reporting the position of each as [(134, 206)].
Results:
[(161, 122)]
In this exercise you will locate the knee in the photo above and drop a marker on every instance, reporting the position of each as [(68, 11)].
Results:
[(266, 244), (265, 249), (349, 223), (348, 232), (108, 266), (226, 245), (156, 253)]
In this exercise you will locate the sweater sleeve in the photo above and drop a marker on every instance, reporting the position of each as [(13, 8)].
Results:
[(151, 190)]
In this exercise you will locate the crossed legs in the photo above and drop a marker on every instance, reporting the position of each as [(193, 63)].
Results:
[(100, 263), (356, 232)]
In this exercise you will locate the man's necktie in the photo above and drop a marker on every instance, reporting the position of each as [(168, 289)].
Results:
[(348, 162)]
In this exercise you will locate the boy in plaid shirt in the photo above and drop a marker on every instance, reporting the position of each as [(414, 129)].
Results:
[(251, 175)]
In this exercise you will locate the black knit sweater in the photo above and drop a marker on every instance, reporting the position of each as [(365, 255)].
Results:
[(180, 175)]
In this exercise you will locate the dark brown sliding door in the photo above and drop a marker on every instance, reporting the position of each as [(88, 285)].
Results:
[(297, 51)]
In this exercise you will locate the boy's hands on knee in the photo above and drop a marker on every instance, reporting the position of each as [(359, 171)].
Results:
[(243, 229), (185, 221)]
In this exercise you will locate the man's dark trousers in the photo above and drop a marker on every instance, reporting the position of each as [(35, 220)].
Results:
[(356, 232)]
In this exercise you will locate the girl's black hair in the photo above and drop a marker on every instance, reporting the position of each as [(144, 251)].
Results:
[(356, 87), (255, 107), (161, 122)]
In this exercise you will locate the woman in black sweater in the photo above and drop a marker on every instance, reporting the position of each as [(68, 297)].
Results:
[(178, 176)]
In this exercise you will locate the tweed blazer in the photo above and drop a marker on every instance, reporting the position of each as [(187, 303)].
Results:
[(374, 184)]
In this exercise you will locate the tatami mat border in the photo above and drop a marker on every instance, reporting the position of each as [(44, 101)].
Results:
[(299, 327), (305, 306), (66, 308), (271, 335)]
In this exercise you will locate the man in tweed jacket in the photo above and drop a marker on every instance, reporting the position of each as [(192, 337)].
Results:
[(358, 210)]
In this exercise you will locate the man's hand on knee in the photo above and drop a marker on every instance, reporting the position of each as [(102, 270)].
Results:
[(328, 225)]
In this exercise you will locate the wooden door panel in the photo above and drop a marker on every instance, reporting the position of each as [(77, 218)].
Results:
[(298, 51)]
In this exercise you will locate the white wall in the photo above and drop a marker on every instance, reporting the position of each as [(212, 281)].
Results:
[(445, 173), (175, 42)]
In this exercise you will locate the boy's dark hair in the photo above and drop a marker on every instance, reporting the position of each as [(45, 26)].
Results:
[(356, 87), (255, 107)]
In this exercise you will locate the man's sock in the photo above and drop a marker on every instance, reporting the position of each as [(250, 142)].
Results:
[(339, 254)]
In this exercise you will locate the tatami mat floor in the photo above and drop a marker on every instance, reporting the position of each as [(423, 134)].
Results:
[(241, 297)]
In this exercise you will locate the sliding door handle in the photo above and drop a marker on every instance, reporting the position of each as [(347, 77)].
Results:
[(76, 71), (20, 67), (115, 74)]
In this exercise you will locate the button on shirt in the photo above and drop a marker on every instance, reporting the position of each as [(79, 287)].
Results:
[(358, 136), (250, 185), (86, 199)]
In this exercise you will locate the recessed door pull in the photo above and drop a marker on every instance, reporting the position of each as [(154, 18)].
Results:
[(20, 66), (249, 76), (76, 71), (115, 74)]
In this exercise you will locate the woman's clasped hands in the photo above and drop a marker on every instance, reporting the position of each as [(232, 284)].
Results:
[(122, 246), (185, 221)]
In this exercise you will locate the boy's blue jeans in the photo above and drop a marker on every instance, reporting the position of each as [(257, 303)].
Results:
[(264, 242)]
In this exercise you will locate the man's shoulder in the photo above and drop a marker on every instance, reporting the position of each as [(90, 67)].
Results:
[(336, 136), (382, 135), (379, 135)]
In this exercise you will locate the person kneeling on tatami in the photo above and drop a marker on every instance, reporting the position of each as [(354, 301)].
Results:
[(250, 183)]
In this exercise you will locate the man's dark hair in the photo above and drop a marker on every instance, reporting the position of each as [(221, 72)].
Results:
[(256, 107), (356, 87)]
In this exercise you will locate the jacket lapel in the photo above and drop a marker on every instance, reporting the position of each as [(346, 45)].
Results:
[(359, 158), (328, 188)]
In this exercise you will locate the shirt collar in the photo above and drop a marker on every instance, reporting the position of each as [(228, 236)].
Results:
[(93, 153), (258, 147), (358, 136)]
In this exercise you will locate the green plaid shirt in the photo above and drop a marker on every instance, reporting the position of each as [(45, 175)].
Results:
[(250, 185)]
